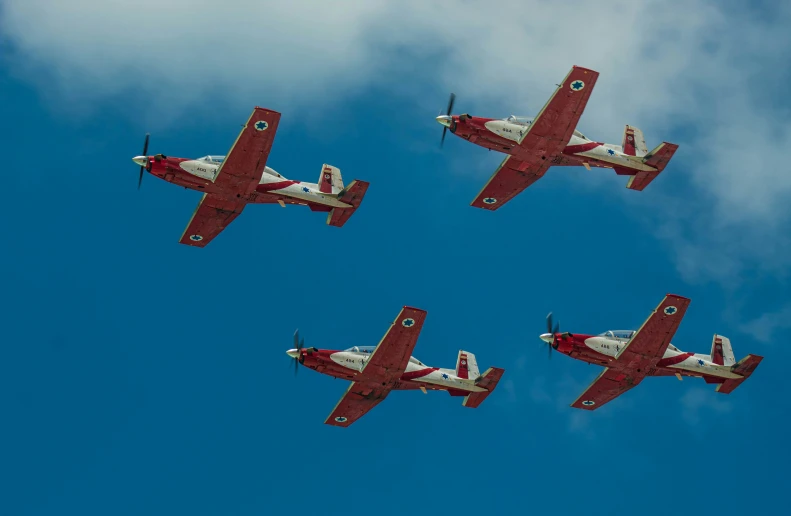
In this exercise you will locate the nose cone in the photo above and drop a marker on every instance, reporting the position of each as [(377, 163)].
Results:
[(445, 120), (293, 353), (546, 337), (140, 160)]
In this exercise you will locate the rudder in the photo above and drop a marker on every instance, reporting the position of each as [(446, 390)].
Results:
[(467, 366), (330, 180), (721, 351), (634, 142)]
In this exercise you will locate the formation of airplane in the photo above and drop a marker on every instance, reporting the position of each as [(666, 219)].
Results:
[(229, 183), (630, 356), (375, 371), (551, 139), (532, 146)]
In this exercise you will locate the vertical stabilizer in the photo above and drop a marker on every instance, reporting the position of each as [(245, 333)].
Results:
[(330, 180), (634, 142), (721, 351), (467, 366)]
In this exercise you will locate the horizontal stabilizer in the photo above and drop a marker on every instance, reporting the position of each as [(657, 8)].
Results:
[(744, 367), (658, 159), (353, 194), (488, 381)]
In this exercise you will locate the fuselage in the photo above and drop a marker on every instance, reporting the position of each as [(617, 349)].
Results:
[(349, 365), (504, 135), (603, 349), (199, 174)]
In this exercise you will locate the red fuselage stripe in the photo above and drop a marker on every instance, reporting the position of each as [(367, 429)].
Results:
[(419, 373), (268, 187), (666, 362), (574, 149)]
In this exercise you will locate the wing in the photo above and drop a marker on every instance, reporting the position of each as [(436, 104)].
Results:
[(651, 340), (210, 218), (242, 168), (545, 139), (610, 384), (510, 178), (391, 356), (359, 398)]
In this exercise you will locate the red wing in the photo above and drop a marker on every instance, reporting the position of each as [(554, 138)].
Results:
[(551, 130), (390, 358), (545, 139), (359, 398), (510, 178), (650, 342), (211, 216), (609, 385), (242, 168)]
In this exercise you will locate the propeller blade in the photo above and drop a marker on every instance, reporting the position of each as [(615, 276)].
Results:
[(145, 154), (451, 102), (442, 142)]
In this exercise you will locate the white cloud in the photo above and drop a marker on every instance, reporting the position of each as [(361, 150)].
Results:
[(767, 325), (691, 67), (698, 400)]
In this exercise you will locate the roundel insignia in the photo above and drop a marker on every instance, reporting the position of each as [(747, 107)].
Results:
[(326, 176), (196, 238), (463, 362), (577, 85), (588, 403), (671, 310), (629, 137), (341, 419), (490, 200), (261, 125), (408, 322)]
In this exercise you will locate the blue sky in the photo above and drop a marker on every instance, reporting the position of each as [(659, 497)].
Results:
[(141, 376)]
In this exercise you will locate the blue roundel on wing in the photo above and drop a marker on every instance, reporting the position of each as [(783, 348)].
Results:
[(341, 419), (196, 238), (490, 200), (577, 85), (588, 403), (261, 125), (671, 310), (408, 322)]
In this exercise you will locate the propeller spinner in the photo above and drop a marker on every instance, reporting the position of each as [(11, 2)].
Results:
[(446, 120)]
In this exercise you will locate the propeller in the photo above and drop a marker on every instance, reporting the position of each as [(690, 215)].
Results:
[(142, 167), (450, 108), (553, 329), (299, 344)]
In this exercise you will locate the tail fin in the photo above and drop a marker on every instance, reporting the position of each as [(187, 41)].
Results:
[(658, 159), (745, 367), (330, 180), (467, 366), (634, 142), (353, 194), (488, 381), (721, 351)]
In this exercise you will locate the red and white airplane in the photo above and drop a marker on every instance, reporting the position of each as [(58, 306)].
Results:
[(551, 139), (630, 356), (377, 370), (229, 183)]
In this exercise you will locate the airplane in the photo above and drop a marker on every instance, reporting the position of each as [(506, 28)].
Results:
[(229, 183), (630, 356), (551, 139), (376, 370)]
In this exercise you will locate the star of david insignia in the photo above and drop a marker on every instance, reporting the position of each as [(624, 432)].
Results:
[(490, 200), (261, 125), (610, 152), (305, 189), (588, 403), (577, 85), (196, 238), (463, 362), (341, 419), (701, 362), (408, 323), (670, 310), (444, 376)]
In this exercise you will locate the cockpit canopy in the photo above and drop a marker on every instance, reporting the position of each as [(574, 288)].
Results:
[(618, 334), (521, 120), (362, 349), (212, 159)]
